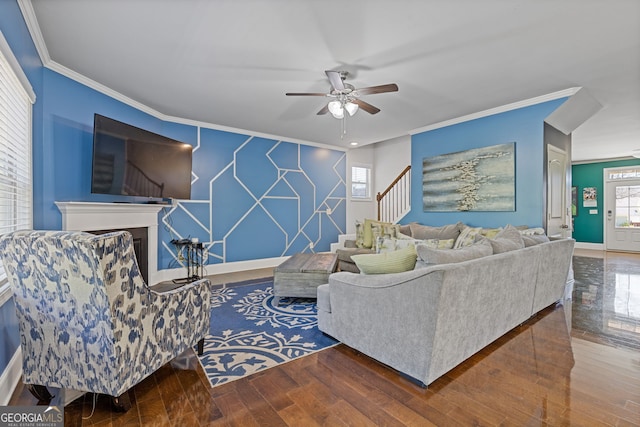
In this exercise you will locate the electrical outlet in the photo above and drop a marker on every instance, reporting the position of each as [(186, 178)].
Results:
[(311, 245), (329, 211)]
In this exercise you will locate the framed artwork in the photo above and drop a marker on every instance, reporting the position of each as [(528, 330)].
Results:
[(574, 201), (480, 179), (589, 197)]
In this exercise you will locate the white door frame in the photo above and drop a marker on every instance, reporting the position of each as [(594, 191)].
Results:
[(605, 204), (564, 214)]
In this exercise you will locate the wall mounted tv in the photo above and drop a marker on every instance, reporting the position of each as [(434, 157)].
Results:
[(129, 161)]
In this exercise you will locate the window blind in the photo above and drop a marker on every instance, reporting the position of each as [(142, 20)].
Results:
[(15, 154), (360, 182)]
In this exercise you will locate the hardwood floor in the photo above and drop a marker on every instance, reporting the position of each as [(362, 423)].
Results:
[(537, 374)]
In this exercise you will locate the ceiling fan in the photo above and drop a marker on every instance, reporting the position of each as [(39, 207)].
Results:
[(346, 96)]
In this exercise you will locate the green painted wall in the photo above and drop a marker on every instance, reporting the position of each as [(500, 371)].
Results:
[(589, 228)]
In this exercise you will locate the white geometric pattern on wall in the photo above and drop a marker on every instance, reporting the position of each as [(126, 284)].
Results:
[(255, 198)]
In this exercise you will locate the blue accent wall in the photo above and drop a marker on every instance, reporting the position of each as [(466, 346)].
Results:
[(589, 228), (255, 198), (237, 210), (523, 126), (67, 129)]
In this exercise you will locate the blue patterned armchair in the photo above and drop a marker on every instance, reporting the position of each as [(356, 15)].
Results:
[(88, 321)]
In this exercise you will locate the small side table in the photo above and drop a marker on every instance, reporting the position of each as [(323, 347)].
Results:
[(194, 259)]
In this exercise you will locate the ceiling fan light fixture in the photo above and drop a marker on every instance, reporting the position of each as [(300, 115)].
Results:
[(351, 108), (336, 110)]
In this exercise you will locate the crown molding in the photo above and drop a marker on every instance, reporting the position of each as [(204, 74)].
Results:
[(30, 19), (612, 159), (497, 110)]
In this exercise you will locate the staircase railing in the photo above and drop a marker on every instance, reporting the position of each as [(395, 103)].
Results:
[(395, 201)]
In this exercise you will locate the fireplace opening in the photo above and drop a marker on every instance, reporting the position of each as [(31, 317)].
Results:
[(140, 247)]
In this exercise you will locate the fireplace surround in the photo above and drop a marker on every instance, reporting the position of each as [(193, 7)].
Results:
[(104, 217)]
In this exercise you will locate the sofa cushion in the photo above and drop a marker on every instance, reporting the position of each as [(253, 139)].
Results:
[(350, 244), (422, 232), (387, 262), (507, 240), (405, 229), (388, 244), (467, 236), (533, 240), (447, 256), (345, 254)]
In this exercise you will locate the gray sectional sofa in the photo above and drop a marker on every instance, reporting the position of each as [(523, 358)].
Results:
[(426, 321)]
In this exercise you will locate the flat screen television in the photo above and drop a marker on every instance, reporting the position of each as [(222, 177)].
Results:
[(129, 161)]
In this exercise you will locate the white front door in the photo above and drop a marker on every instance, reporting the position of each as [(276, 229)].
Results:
[(622, 214), (558, 215)]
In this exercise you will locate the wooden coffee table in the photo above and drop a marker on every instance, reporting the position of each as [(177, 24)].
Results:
[(300, 275)]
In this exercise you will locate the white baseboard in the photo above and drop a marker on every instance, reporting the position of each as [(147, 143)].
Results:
[(227, 267), (10, 377), (592, 246)]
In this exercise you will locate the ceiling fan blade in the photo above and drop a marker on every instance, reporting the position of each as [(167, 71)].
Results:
[(336, 80), (305, 94), (366, 106), (324, 110), (392, 87)]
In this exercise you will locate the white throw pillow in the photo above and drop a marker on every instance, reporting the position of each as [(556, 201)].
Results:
[(467, 237)]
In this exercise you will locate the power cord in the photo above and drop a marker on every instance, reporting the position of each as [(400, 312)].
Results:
[(95, 399)]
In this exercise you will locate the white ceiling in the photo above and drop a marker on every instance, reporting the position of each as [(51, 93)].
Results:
[(230, 62)]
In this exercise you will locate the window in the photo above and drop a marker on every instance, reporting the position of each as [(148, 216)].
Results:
[(624, 174), (628, 206), (16, 98), (360, 182)]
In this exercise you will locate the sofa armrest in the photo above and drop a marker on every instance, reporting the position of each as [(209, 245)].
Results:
[(388, 316)]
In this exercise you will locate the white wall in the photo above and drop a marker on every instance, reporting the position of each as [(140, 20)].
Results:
[(360, 209), (387, 159), (391, 157)]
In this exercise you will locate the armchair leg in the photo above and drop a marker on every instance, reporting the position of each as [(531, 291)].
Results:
[(201, 347), (40, 392), (121, 403)]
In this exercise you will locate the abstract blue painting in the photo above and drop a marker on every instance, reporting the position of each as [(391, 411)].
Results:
[(480, 179)]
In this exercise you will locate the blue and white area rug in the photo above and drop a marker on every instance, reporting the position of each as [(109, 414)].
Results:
[(249, 333)]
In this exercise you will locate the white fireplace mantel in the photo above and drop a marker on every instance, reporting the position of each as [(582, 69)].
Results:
[(85, 216), (90, 216)]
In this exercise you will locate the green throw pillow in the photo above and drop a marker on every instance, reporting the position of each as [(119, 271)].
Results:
[(387, 262), (373, 229)]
